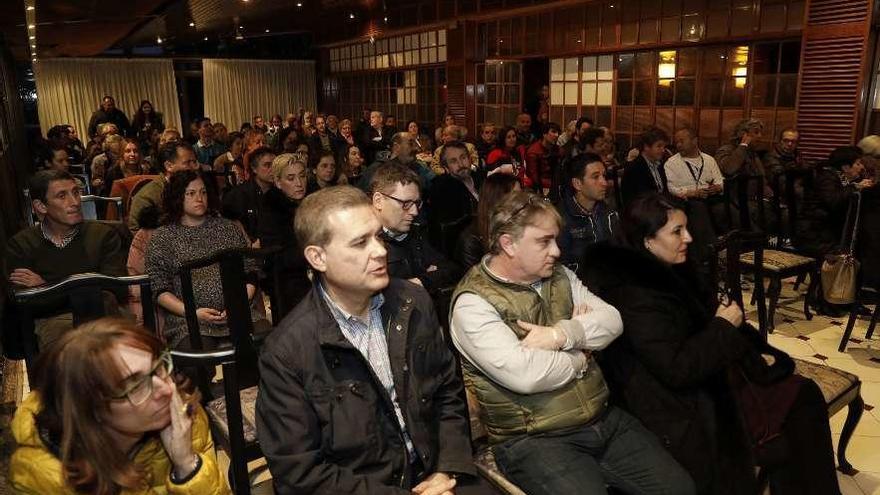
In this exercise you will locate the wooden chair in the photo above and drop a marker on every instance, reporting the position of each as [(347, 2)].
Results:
[(839, 388), (232, 415), (484, 458), (777, 264), (865, 295), (84, 299)]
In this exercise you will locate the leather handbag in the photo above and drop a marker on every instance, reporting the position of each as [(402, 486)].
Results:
[(840, 271)]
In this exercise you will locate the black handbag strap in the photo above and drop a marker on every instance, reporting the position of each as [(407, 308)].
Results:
[(855, 225)]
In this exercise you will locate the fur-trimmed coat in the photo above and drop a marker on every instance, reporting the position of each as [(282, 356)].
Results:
[(669, 367)]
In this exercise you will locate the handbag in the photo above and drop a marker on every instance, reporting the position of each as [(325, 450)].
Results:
[(840, 271)]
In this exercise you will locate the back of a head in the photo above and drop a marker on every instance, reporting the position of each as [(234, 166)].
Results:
[(389, 174), (592, 135), (844, 156), (495, 187), (38, 185), (514, 213), (870, 145), (651, 136), (311, 223), (644, 216)]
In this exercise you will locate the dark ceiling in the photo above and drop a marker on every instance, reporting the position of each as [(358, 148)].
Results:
[(83, 28)]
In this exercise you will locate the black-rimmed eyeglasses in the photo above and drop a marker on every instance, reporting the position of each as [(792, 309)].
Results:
[(138, 391), (405, 204)]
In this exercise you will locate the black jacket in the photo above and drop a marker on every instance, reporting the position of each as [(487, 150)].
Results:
[(243, 203), (819, 225), (326, 424), (469, 248), (275, 227), (115, 117), (638, 179), (669, 367), (449, 201), (411, 257)]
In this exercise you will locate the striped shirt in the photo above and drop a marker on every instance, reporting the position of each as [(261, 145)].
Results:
[(368, 337)]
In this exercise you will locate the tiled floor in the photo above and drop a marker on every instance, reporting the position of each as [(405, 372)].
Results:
[(817, 341)]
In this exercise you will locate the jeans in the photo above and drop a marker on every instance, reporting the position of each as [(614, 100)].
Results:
[(614, 451)]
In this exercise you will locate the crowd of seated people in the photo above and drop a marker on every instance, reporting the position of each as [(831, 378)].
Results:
[(555, 276)]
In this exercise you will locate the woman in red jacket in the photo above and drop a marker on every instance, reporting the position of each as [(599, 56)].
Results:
[(508, 158)]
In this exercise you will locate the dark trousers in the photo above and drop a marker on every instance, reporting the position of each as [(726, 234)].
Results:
[(808, 468), (616, 451)]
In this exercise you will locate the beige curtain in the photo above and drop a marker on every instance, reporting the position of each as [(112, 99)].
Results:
[(236, 90), (69, 90)]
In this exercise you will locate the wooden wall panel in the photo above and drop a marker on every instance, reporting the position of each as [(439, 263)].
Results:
[(833, 66)]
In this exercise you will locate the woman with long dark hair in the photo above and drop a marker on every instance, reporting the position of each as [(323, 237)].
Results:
[(698, 377), (509, 158), (107, 416), (145, 121), (191, 230), (473, 242)]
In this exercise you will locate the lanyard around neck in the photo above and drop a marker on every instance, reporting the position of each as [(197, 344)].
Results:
[(696, 176)]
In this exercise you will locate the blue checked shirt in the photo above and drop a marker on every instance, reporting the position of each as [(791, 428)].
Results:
[(369, 338)]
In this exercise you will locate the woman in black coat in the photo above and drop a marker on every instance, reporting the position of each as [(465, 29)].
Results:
[(679, 364), (276, 229)]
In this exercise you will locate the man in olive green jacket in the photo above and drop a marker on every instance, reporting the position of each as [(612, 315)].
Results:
[(526, 328)]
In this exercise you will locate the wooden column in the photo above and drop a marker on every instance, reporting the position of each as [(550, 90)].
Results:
[(834, 67)]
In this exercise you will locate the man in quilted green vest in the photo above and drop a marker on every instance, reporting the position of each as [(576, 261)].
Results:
[(526, 328)]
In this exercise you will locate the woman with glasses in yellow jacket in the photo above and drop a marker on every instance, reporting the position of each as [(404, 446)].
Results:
[(106, 417)]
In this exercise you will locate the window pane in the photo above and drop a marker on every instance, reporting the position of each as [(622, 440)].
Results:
[(625, 64), (787, 91), (644, 66), (766, 58), (605, 68), (714, 61), (604, 94), (742, 21), (684, 91), (711, 93), (588, 93), (687, 60), (692, 27), (643, 90), (624, 92), (791, 57), (796, 14), (734, 92), (571, 93), (669, 29), (571, 69), (772, 18), (557, 96), (589, 68), (665, 92), (716, 24), (557, 69)]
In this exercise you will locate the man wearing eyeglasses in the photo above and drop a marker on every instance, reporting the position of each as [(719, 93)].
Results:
[(63, 244), (397, 201), (526, 328)]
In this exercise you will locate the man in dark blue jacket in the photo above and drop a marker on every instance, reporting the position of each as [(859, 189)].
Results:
[(586, 216)]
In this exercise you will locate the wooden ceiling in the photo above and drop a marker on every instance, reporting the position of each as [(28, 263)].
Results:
[(84, 28)]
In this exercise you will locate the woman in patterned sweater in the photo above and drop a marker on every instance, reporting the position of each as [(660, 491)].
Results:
[(192, 230)]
